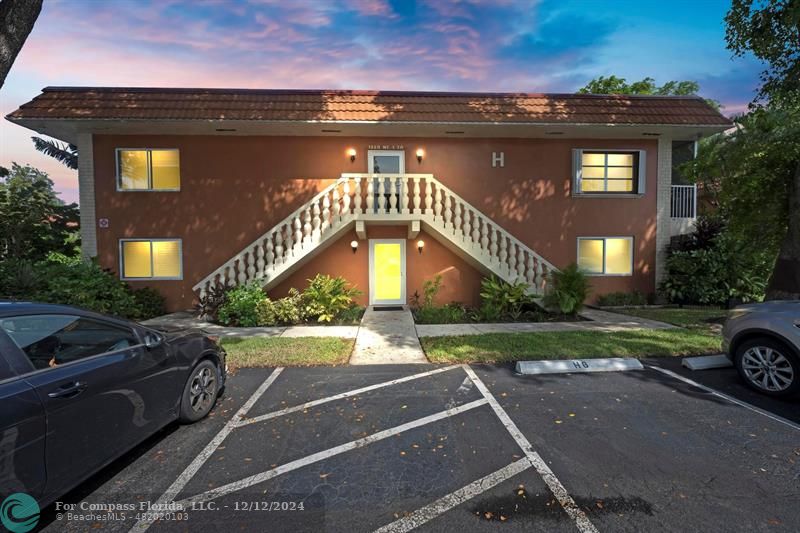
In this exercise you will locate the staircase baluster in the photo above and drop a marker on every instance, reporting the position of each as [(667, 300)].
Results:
[(316, 222), (467, 235), (279, 245), (306, 226), (512, 260), (493, 245), (357, 197), (437, 205), (326, 214), (520, 264), (457, 218), (380, 182), (298, 234), (428, 195), (241, 275), (417, 197), (484, 236), (270, 255), (538, 279), (393, 182), (251, 262), (447, 213), (337, 205), (530, 274), (346, 199), (370, 207), (476, 231), (503, 253), (260, 252)]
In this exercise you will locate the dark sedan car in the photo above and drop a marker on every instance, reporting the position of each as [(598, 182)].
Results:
[(79, 389)]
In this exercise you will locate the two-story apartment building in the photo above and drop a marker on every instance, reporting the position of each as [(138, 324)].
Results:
[(181, 189)]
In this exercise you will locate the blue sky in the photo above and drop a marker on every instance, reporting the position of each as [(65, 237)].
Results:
[(466, 45)]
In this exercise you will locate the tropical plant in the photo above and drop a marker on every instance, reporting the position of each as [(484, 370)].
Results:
[(568, 289), (61, 152), (503, 300), (452, 313), (33, 220), (326, 298), (239, 308), (281, 312), (430, 289), (208, 305)]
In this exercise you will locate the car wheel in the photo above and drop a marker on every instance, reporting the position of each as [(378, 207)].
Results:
[(200, 392), (768, 366)]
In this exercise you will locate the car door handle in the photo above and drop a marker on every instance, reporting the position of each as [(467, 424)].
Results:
[(69, 390)]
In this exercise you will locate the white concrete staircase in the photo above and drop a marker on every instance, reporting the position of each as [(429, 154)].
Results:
[(356, 200)]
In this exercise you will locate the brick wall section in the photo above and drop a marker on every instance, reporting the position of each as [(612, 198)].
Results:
[(86, 195), (662, 205)]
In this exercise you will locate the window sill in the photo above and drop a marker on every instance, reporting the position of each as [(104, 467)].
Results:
[(631, 196)]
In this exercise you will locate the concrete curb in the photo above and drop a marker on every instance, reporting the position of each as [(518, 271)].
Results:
[(573, 366)]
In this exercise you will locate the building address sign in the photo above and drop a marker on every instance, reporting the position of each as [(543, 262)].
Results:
[(385, 147)]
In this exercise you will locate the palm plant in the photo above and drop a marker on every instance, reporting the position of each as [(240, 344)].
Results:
[(62, 152)]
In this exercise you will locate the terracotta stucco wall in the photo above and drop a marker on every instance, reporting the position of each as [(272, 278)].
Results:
[(234, 188)]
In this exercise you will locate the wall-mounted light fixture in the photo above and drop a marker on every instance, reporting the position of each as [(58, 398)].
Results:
[(352, 153), (420, 245), (354, 246), (420, 155)]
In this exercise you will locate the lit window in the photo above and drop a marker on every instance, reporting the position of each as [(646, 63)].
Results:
[(148, 170), (606, 255), (608, 172), (151, 259)]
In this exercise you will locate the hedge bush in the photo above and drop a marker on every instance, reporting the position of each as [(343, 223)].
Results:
[(617, 299), (70, 281)]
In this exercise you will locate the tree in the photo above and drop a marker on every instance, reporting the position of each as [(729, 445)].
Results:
[(33, 220), (62, 152), (771, 32), (17, 18), (646, 86)]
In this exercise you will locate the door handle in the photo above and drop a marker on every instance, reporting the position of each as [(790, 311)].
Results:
[(69, 390)]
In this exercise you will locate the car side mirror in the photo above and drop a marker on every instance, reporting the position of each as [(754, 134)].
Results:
[(152, 340)]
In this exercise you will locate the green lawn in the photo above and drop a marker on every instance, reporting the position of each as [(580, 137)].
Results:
[(698, 335), (286, 351), (684, 317)]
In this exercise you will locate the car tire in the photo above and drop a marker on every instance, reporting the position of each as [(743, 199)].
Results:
[(768, 366), (200, 392)]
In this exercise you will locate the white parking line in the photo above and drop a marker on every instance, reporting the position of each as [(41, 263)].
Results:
[(335, 397), (445, 503), (210, 448), (731, 399), (325, 454), (581, 520)]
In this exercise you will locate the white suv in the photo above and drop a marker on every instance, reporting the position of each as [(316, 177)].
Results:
[(763, 341)]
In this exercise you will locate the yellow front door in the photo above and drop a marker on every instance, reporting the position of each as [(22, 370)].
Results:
[(387, 271)]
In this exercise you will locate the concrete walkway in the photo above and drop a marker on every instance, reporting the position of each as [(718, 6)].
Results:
[(596, 321), (387, 337), (187, 319)]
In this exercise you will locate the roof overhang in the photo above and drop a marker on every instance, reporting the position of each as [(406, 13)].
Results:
[(68, 129)]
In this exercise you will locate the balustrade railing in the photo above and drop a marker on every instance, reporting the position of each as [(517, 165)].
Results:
[(683, 201), (382, 197)]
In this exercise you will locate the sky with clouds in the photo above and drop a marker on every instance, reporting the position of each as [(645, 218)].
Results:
[(461, 45)]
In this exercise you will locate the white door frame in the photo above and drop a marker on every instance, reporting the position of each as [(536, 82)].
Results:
[(372, 243), (401, 153)]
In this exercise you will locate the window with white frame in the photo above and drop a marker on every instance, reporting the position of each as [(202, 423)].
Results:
[(150, 259), (157, 169), (609, 171), (606, 256)]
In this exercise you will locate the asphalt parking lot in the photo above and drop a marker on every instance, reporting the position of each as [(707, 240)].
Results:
[(394, 448)]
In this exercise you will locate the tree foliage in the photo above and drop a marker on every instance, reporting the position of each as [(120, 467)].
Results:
[(770, 30), (33, 220), (61, 152), (646, 86)]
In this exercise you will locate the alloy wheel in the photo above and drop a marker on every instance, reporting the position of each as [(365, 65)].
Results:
[(202, 389), (767, 369)]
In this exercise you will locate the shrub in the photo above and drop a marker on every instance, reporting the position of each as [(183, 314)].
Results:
[(430, 288), (710, 267), (326, 298), (502, 300), (282, 312), (452, 313), (622, 298), (352, 315), (209, 304), (569, 289), (240, 304), (68, 280), (149, 303)]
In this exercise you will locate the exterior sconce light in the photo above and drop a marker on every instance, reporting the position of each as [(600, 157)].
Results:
[(354, 246), (352, 153), (420, 155), (420, 245)]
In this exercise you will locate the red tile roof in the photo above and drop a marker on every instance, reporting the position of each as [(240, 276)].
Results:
[(77, 103)]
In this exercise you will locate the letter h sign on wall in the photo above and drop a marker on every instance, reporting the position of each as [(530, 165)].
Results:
[(498, 159)]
